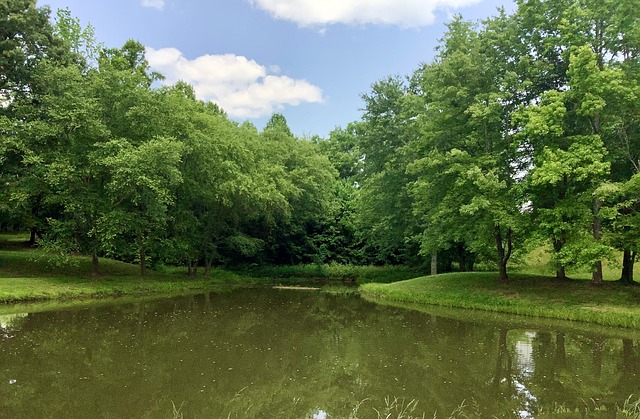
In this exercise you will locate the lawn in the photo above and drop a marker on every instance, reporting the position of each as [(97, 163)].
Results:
[(534, 295)]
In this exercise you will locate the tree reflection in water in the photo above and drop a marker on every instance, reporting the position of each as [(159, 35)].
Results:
[(266, 353)]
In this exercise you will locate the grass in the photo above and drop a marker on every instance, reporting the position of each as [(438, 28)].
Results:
[(525, 294), (28, 275), (32, 275), (532, 291), (538, 262)]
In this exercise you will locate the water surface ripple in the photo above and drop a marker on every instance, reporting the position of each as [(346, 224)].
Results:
[(294, 354)]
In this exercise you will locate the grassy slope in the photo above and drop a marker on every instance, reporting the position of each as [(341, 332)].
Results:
[(31, 275), (526, 294), (27, 275)]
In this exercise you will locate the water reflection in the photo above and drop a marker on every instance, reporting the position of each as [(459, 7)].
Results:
[(9, 321), (287, 354)]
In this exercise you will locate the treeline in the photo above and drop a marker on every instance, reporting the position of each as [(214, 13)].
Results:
[(523, 132), (98, 160)]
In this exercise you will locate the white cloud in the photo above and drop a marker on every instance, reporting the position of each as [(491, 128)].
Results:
[(405, 13), (156, 4), (242, 87)]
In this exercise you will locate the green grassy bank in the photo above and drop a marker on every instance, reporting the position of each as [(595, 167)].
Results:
[(28, 275), (31, 275), (525, 294)]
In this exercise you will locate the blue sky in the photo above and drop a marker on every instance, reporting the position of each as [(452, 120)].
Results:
[(307, 59)]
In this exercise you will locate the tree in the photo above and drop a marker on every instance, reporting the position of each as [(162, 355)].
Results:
[(566, 172), (302, 179), (73, 177), (56, 121), (582, 46), (337, 236), (467, 188), (384, 201), (141, 189), (27, 40), (221, 185)]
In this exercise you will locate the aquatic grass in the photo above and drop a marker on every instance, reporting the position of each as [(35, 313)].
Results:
[(397, 408), (340, 291), (630, 408), (177, 411), (530, 295)]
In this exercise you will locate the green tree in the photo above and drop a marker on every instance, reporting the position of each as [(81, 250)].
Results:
[(26, 41), (221, 187), (338, 238), (384, 205), (467, 189), (141, 190), (74, 180), (57, 128), (301, 175)]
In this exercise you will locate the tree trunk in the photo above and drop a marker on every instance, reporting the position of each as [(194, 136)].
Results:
[(561, 274), (94, 264), (32, 237), (434, 263), (596, 278), (191, 268), (628, 260), (503, 254), (143, 261), (207, 266), (502, 269), (462, 261)]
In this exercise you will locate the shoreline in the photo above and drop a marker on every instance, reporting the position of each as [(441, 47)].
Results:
[(526, 295), (30, 276)]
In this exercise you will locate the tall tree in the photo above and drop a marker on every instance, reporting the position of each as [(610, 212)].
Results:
[(384, 202), (141, 190), (26, 41), (304, 177), (467, 189)]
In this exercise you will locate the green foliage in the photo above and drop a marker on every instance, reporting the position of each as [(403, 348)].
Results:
[(26, 39), (384, 205), (335, 272), (523, 129)]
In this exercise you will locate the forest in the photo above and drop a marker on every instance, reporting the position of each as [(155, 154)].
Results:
[(523, 132)]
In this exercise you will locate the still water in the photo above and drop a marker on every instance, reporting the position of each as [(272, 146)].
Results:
[(293, 354)]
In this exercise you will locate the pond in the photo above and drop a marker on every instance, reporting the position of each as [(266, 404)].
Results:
[(294, 354)]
